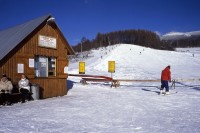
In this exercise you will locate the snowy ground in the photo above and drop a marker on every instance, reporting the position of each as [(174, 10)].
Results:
[(131, 108)]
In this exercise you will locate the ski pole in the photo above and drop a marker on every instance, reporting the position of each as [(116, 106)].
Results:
[(173, 84)]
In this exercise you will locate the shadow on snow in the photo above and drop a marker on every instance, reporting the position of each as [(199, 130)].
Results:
[(157, 92), (70, 84)]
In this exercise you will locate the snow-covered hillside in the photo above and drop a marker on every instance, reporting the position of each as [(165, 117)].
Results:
[(136, 62), (180, 35), (131, 108)]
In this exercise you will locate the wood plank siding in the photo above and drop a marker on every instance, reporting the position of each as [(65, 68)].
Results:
[(51, 86)]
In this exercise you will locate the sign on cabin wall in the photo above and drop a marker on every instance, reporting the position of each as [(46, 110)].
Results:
[(31, 63), (48, 42), (20, 68)]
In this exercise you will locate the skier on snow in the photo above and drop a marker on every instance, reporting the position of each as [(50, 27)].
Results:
[(165, 77)]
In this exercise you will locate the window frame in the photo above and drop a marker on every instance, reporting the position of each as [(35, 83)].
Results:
[(43, 66)]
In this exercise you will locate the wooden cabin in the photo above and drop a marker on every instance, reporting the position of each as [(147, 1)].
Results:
[(39, 50)]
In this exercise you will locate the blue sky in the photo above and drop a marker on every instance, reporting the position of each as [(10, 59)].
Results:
[(85, 18)]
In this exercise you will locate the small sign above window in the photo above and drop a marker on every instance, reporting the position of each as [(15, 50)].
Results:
[(48, 42)]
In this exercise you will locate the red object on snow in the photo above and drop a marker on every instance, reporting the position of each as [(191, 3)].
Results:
[(166, 74)]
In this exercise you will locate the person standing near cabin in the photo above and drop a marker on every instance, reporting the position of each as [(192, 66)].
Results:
[(24, 87), (165, 78), (5, 89)]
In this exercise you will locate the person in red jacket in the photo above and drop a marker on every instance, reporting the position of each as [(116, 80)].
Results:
[(165, 78)]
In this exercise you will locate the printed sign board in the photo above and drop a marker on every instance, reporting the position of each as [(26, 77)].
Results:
[(111, 66), (48, 42), (20, 68), (81, 67), (31, 63)]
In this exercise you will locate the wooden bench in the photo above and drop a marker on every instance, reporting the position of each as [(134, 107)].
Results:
[(15, 96)]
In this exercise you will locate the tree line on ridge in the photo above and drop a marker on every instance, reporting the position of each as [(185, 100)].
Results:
[(137, 37)]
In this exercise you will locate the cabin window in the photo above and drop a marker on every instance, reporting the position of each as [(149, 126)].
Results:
[(45, 66)]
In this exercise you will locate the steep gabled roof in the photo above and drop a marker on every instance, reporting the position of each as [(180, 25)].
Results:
[(11, 37)]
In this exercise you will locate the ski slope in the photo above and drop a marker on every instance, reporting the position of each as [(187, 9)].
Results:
[(136, 62), (131, 108)]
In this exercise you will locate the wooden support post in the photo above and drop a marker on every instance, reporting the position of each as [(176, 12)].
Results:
[(115, 83), (84, 82)]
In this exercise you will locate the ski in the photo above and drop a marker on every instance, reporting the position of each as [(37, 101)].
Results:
[(163, 94)]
